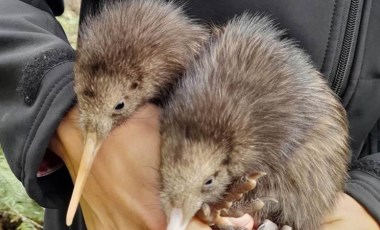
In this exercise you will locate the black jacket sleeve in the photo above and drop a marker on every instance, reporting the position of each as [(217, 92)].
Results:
[(36, 90), (36, 65)]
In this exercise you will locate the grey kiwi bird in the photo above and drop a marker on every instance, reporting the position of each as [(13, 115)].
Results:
[(253, 102), (128, 55)]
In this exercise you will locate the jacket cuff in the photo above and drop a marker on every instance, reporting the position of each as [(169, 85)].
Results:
[(364, 184), (52, 103)]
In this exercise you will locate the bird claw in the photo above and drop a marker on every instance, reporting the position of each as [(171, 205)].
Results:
[(207, 214), (216, 215), (246, 183)]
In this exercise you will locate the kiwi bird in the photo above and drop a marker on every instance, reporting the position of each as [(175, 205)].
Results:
[(129, 54), (253, 102)]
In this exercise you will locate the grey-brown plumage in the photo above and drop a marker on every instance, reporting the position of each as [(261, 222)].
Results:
[(253, 103), (129, 54)]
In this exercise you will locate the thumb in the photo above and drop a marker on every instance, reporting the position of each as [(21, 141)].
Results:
[(246, 221)]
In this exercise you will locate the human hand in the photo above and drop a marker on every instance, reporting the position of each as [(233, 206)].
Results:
[(245, 221), (123, 187), (349, 214)]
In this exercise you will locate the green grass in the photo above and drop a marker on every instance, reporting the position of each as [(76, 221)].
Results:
[(17, 210)]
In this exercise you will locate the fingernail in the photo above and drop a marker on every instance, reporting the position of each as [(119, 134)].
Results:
[(245, 220), (268, 225)]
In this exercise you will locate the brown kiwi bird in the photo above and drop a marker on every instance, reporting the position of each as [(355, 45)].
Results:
[(253, 102), (129, 54)]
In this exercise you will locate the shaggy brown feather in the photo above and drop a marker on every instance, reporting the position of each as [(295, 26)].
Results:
[(253, 102), (132, 51)]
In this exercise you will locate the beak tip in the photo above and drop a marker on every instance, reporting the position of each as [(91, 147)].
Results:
[(176, 220), (90, 150), (69, 221)]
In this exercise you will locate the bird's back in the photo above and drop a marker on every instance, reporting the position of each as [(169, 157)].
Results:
[(261, 94)]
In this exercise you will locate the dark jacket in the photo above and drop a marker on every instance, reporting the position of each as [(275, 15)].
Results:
[(36, 82)]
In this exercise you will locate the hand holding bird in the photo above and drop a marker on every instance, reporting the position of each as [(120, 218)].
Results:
[(122, 189)]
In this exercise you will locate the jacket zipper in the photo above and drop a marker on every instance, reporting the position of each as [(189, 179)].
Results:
[(343, 63)]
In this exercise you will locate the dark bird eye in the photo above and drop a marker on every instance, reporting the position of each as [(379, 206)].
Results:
[(209, 181), (134, 85), (119, 106)]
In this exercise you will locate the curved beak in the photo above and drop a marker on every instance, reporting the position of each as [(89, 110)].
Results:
[(180, 217), (177, 221), (91, 148)]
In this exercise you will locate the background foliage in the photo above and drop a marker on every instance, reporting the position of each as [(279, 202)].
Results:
[(17, 210), (69, 21)]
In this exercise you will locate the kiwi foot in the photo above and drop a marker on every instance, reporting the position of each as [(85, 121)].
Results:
[(216, 215)]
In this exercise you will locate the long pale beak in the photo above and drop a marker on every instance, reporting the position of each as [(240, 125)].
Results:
[(91, 148), (177, 221)]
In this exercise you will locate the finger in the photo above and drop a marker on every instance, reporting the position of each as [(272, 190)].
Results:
[(245, 221), (196, 224), (206, 214), (268, 225), (286, 227)]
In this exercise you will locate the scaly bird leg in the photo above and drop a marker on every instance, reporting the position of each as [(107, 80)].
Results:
[(216, 214)]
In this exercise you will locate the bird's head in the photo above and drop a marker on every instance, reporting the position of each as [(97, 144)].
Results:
[(191, 174), (106, 99), (127, 55)]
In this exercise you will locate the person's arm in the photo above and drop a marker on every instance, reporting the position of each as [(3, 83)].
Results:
[(36, 65)]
